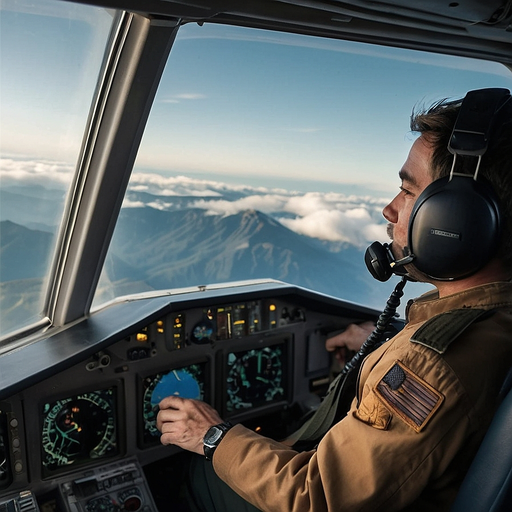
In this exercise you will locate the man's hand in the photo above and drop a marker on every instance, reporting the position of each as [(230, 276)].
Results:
[(350, 339), (184, 422)]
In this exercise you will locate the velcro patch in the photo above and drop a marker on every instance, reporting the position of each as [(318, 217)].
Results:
[(408, 396)]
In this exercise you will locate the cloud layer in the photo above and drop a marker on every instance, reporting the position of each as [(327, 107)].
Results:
[(332, 217), (51, 174)]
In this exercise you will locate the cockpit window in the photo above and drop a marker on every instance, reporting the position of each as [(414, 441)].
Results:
[(271, 155), (51, 53)]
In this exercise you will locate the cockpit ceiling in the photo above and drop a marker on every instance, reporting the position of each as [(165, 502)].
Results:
[(470, 28)]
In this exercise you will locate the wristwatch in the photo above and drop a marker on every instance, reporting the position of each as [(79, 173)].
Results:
[(213, 437)]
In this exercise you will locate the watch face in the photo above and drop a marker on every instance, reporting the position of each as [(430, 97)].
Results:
[(213, 438), (213, 435)]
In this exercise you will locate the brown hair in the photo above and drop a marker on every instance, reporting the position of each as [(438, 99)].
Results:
[(436, 124)]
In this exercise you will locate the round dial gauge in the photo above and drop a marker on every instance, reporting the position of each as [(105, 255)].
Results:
[(254, 378), (203, 332), (101, 504), (79, 429), (185, 382)]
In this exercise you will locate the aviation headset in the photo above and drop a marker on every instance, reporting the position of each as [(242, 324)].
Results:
[(455, 224)]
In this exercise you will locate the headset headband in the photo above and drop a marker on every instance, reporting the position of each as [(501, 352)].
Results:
[(476, 120)]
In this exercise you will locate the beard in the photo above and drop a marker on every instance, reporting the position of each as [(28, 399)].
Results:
[(389, 231), (399, 252)]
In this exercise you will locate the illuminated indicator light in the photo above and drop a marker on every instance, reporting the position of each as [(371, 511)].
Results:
[(160, 326), (257, 429), (272, 307), (141, 337), (229, 325)]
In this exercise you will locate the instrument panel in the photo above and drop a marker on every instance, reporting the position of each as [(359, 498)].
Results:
[(258, 359)]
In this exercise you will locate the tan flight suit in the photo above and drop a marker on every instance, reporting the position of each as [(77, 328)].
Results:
[(410, 435)]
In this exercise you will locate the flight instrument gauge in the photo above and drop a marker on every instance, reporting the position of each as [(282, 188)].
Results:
[(79, 429), (186, 382), (255, 377)]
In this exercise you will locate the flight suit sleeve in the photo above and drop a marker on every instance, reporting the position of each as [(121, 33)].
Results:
[(381, 456)]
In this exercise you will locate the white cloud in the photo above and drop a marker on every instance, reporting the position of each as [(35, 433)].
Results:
[(353, 226), (160, 205), (263, 203), (185, 186), (191, 96), (332, 217), (173, 186), (325, 216), (184, 96), (133, 204), (36, 172)]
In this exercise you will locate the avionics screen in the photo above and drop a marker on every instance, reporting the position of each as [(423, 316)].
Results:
[(79, 429), (187, 382), (256, 377)]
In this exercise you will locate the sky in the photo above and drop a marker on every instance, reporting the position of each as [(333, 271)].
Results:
[(316, 130), (318, 114), (302, 109)]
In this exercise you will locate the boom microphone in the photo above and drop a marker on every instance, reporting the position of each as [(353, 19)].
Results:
[(382, 264)]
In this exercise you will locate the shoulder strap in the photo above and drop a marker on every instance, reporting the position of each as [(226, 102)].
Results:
[(439, 332), (342, 387)]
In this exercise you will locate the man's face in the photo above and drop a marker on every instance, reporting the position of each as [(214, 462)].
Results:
[(415, 176)]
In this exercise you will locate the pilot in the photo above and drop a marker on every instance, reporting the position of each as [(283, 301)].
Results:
[(426, 397)]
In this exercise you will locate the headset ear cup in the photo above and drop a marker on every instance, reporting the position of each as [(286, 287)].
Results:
[(454, 227)]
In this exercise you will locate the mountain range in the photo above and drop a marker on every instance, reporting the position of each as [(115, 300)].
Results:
[(177, 247)]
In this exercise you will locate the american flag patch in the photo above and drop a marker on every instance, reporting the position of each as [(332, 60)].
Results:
[(408, 396)]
